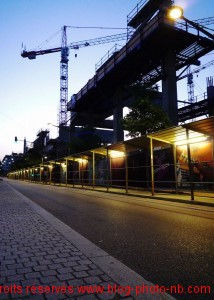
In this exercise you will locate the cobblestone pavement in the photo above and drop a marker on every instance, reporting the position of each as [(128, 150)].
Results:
[(38, 261)]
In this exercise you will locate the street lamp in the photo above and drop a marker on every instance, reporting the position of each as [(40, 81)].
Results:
[(176, 12)]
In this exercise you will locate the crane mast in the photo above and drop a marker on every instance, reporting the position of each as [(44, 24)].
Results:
[(64, 49), (62, 118)]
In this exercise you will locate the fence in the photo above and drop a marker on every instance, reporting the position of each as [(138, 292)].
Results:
[(128, 172)]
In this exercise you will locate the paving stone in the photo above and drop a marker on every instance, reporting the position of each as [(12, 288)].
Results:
[(31, 264), (80, 274), (105, 277), (24, 270), (93, 280), (107, 296), (86, 262), (70, 264), (63, 255), (81, 268), (55, 266), (40, 268), (87, 297), (8, 262), (60, 260), (48, 273), (65, 270), (30, 282), (33, 275), (76, 282), (54, 297), (3, 297), (106, 284), (52, 256), (48, 280), (73, 258), (65, 277), (15, 266), (15, 278), (7, 272), (96, 272), (45, 262), (2, 280), (22, 260), (36, 297), (12, 256)]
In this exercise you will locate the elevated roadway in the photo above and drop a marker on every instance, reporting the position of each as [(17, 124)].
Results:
[(156, 50)]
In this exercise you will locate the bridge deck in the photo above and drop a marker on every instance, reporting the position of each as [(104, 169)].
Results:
[(139, 59)]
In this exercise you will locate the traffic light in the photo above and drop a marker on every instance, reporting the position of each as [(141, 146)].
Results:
[(16, 139)]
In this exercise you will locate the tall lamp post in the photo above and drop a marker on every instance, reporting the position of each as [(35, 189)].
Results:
[(177, 12)]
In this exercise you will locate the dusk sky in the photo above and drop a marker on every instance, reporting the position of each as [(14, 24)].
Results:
[(30, 89)]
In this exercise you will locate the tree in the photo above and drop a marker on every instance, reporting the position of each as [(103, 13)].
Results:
[(144, 117)]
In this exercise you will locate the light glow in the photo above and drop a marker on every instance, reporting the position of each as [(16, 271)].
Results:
[(175, 12), (82, 160), (191, 141), (114, 154)]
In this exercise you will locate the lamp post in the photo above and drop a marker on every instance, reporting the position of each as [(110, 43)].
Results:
[(176, 12)]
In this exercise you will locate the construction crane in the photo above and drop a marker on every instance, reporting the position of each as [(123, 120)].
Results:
[(197, 70), (64, 49), (190, 81), (189, 75)]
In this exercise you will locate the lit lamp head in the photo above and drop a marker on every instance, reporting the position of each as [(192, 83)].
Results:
[(175, 12)]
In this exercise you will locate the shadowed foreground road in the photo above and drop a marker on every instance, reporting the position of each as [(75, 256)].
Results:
[(166, 243)]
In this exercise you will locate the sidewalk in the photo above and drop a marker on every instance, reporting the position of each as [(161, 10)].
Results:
[(200, 198), (42, 258)]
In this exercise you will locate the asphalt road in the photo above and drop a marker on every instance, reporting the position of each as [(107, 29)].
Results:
[(166, 243)]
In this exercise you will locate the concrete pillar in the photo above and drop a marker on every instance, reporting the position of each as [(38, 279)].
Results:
[(117, 120), (169, 85)]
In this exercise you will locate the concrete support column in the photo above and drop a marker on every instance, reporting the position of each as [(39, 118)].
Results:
[(169, 86), (117, 118)]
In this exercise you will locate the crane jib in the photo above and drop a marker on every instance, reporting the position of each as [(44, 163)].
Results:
[(33, 54)]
